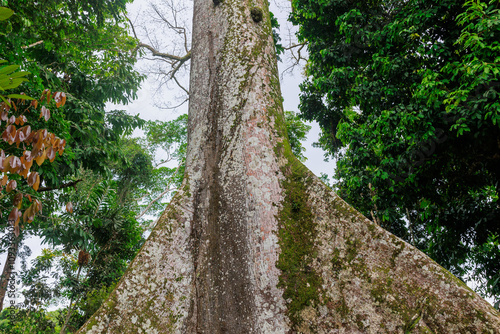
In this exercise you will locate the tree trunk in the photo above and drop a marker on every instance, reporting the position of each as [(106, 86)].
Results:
[(255, 243), (8, 268)]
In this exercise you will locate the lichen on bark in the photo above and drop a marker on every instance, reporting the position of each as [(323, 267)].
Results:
[(254, 242)]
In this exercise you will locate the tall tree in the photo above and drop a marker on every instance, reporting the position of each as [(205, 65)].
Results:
[(255, 243), (406, 93), (89, 57)]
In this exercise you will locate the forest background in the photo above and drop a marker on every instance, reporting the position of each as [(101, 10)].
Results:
[(100, 190)]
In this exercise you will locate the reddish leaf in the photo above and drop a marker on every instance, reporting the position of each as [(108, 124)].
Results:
[(37, 205), (31, 211), (27, 218), (38, 147), (12, 119), (9, 135), (20, 136), (15, 164), (17, 138), (37, 183), (51, 153), (45, 113), (5, 179), (14, 216), (58, 98), (32, 178), (21, 120), (63, 99), (24, 168), (18, 200), (62, 144), (40, 159), (27, 155), (6, 164), (69, 207), (24, 133), (46, 93), (11, 186), (4, 116)]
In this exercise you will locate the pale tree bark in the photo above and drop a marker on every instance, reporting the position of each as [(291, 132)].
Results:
[(255, 243)]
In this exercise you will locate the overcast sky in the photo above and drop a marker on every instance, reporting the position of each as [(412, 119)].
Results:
[(145, 107)]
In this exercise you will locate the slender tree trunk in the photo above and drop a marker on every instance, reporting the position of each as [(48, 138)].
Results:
[(70, 307), (8, 268), (255, 243)]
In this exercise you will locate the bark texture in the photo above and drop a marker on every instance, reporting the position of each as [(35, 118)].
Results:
[(255, 243)]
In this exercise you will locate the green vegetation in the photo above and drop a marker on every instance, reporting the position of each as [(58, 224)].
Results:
[(407, 96)]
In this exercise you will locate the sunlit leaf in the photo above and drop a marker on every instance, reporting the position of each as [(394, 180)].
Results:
[(40, 159), (69, 207), (20, 97), (37, 183), (5, 13)]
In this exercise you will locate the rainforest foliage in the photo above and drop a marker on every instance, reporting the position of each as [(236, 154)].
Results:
[(407, 96), (61, 62)]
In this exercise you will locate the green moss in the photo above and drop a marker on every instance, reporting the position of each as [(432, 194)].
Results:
[(410, 316), (110, 304), (400, 246), (186, 189), (410, 325), (359, 321), (91, 324), (297, 233), (352, 247)]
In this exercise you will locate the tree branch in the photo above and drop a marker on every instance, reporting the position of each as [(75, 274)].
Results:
[(153, 202), (157, 53), (32, 45), (66, 185)]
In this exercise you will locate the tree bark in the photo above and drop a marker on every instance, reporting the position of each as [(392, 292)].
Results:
[(253, 242)]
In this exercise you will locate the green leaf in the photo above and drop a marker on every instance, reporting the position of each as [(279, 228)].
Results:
[(6, 70), (5, 13), (11, 83), (19, 96)]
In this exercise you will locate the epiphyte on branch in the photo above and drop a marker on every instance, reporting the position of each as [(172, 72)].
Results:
[(256, 14)]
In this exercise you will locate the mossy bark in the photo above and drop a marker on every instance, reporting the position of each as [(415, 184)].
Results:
[(253, 242)]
